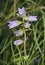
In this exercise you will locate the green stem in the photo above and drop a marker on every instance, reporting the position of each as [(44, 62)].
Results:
[(24, 43), (12, 51), (14, 7), (24, 46), (36, 42), (20, 55), (44, 38)]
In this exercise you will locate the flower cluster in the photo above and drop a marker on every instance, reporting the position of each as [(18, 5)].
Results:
[(27, 24)]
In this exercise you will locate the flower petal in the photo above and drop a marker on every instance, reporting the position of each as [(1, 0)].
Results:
[(18, 33), (18, 42), (13, 24), (27, 25), (32, 18), (22, 11)]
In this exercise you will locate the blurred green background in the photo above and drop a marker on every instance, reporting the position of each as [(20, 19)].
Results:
[(13, 55)]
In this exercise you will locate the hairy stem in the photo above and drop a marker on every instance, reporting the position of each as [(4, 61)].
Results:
[(24, 43), (25, 46)]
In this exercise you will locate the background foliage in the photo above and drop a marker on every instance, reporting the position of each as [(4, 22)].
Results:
[(13, 55)]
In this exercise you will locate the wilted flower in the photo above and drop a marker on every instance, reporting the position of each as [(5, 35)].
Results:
[(32, 18), (13, 24), (27, 25), (22, 11), (18, 42), (18, 32)]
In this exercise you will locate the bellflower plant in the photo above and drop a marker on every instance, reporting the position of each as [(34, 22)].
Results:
[(12, 24), (25, 24)]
